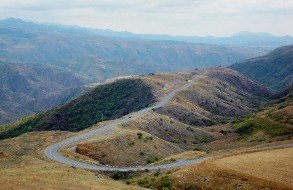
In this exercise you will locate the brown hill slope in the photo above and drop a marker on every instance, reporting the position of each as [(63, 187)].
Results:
[(128, 148), (220, 95)]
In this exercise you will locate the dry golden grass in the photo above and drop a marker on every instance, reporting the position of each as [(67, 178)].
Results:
[(182, 135), (270, 169), (24, 167), (216, 97), (284, 115), (48, 176), (125, 148), (272, 165), (184, 155)]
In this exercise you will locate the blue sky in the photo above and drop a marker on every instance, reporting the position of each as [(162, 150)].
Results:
[(175, 17)]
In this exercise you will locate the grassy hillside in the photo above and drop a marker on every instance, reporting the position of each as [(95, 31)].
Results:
[(220, 95), (275, 70), (275, 122), (150, 138), (110, 100)]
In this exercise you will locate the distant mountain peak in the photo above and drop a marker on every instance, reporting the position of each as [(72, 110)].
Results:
[(16, 23), (12, 20), (246, 33)]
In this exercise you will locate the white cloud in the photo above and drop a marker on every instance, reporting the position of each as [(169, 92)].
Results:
[(181, 17)]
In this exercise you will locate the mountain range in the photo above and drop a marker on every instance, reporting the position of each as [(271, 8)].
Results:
[(47, 61), (275, 70), (243, 38)]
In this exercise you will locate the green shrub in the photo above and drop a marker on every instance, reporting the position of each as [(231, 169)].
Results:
[(166, 182), (118, 175), (152, 160), (157, 173), (130, 143), (139, 135), (143, 182)]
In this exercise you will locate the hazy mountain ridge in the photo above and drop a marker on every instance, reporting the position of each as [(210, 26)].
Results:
[(275, 70), (243, 38), (23, 84), (98, 58), (82, 57)]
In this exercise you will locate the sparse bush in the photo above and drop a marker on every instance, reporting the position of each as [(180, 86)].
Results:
[(148, 138), (139, 135), (147, 182), (143, 182), (166, 182), (223, 132), (152, 160), (118, 175), (141, 153), (157, 173), (130, 143)]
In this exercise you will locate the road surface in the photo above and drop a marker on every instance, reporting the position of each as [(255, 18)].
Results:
[(52, 151)]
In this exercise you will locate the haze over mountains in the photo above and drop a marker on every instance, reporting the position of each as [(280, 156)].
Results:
[(243, 38), (49, 62)]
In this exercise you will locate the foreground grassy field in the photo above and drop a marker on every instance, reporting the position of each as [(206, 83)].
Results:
[(24, 167), (275, 166), (238, 169)]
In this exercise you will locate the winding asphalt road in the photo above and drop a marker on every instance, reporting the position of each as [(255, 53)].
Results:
[(52, 151)]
